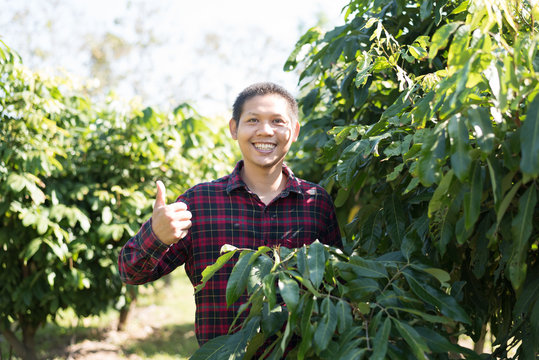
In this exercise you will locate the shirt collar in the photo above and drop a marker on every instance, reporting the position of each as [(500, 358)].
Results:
[(235, 181)]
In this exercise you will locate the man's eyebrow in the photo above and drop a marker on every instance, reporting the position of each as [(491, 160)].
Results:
[(252, 113)]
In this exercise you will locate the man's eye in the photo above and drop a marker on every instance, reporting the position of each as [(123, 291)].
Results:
[(279, 121)]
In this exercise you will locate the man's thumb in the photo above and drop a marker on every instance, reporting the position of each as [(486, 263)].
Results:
[(160, 197)]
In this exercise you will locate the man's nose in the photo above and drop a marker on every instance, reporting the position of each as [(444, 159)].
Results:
[(265, 128)]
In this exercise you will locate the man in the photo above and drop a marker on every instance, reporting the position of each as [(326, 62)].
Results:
[(260, 203)]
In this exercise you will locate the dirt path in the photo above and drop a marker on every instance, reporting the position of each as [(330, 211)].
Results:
[(160, 326)]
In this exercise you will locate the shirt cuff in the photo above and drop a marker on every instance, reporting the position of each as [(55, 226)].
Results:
[(150, 243)]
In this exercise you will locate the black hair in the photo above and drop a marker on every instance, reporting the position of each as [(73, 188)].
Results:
[(260, 89)]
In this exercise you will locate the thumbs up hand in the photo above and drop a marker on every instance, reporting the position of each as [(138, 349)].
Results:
[(169, 222)]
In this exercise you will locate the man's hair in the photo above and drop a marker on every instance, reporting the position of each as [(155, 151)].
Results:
[(260, 89)]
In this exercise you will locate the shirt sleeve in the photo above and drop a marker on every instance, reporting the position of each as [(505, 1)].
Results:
[(145, 258)]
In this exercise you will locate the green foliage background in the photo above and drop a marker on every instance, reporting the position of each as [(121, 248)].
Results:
[(76, 181)]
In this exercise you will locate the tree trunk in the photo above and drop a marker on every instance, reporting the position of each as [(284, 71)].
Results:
[(480, 345), (124, 311), (122, 319), (26, 348)]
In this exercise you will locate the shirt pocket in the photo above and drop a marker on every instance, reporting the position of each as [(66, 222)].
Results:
[(239, 234), (296, 237)]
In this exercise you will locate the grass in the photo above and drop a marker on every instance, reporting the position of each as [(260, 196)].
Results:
[(160, 327)]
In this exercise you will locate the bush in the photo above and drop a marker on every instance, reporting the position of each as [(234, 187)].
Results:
[(76, 181)]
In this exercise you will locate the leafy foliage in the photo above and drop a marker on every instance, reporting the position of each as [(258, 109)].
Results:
[(76, 181), (335, 306), (421, 118)]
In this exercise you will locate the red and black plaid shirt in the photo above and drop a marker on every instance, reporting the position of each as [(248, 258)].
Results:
[(225, 211)]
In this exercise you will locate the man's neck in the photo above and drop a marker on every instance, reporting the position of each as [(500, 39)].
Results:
[(267, 183)]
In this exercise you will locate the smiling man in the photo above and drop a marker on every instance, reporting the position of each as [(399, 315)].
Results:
[(261, 203)]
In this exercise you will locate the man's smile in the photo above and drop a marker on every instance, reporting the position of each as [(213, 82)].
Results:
[(264, 146)]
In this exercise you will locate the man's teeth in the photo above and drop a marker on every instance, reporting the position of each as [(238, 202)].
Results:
[(264, 146)]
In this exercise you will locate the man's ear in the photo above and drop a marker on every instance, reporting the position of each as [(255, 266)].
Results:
[(233, 127), (295, 130)]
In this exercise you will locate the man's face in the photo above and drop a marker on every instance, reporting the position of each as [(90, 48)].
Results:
[(265, 130)]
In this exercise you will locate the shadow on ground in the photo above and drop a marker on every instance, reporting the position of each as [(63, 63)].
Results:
[(174, 340)]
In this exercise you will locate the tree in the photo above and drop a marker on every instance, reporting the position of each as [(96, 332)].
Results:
[(421, 118), (76, 181)]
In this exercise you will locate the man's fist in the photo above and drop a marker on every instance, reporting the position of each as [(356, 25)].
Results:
[(169, 222)]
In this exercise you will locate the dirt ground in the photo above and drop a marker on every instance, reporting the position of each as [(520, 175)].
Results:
[(160, 326), (137, 341)]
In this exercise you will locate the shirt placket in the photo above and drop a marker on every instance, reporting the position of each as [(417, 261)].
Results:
[(267, 223)]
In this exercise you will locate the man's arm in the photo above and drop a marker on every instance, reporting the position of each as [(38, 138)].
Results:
[(154, 251), (140, 256)]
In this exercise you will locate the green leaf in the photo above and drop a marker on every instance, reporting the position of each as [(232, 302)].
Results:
[(441, 275), (363, 307), (261, 267), (368, 268), (60, 250), (439, 344), (16, 182), (446, 304), (316, 262), (495, 175), (227, 347), (106, 215), (508, 198), (32, 248), (364, 68), (425, 10), (306, 327), (272, 319), (441, 37), (308, 308), (427, 317), (309, 101), (479, 119), (458, 137), (381, 340), (42, 224), (440, 194), (412, 338), (307, 283), (432, 151), (344, 316), (310, 36), (342, 195), (362, 289), (395, 218), (269, 289), (521, 229), (237, 282), (290, 325), (529, 139), (301, 259), (417, 52), (209, 271), (289, 291), (402, 102), (472, 199), (326, 326), (38, 197)]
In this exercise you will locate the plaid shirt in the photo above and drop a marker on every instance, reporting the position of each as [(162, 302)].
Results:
[(225, 211)]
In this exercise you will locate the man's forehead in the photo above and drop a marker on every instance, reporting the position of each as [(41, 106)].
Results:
[(268, 104)]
